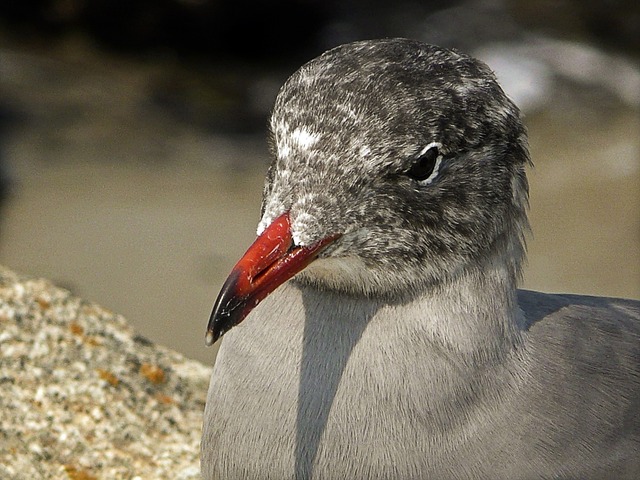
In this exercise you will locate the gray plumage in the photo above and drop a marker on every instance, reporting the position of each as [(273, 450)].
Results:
[(405, 350)]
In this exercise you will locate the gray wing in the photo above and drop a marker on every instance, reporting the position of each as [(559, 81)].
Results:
[(582, 400)]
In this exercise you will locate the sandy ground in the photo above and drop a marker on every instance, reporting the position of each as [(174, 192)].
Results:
[(146, 215)]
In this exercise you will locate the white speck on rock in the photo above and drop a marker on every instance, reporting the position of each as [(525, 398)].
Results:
[(35, 448)]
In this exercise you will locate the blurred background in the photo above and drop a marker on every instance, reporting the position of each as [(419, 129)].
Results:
[(133, 136)]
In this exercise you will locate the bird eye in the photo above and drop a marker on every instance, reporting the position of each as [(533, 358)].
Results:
[(425, 167)]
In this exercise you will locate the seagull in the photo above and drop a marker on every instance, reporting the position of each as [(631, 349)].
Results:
[(375, 329)]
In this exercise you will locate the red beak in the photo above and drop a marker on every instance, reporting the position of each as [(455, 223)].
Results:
[(267, 264)]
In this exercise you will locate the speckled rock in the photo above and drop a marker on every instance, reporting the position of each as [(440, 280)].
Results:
[(83, 397)]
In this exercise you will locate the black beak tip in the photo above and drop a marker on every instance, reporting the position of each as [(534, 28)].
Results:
[(216, 328), (222, 320), (209, 338), (224, 314)]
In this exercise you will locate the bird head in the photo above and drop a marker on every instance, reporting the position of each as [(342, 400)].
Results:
[(396, 167)]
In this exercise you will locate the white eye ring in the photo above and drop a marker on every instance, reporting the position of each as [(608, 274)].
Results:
[(431, 170)]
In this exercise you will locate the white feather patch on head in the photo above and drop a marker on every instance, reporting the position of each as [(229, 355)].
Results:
[(281, 131), (303, 138), (287, 141)]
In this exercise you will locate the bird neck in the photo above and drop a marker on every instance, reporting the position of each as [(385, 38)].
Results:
[(472, 317), (475, 315)]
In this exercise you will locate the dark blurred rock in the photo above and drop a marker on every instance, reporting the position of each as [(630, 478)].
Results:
[(292, 30), (7, 116), (229, 57), (611, 24), (233, 29)]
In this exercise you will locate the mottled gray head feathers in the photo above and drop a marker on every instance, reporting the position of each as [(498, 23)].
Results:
[(412, 152)]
